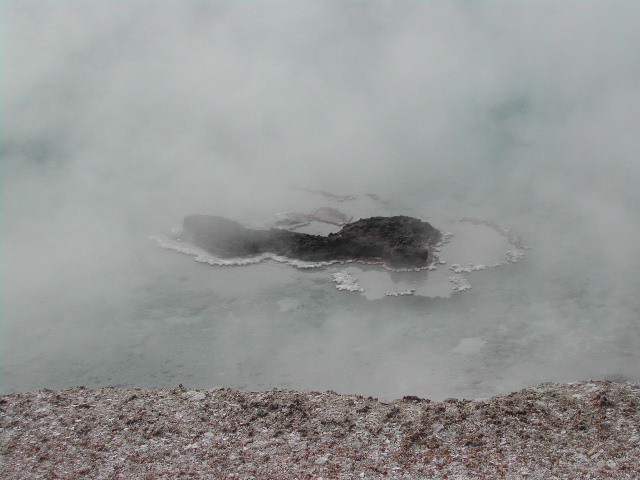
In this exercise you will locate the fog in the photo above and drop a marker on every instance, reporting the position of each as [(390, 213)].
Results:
[(120, 118)]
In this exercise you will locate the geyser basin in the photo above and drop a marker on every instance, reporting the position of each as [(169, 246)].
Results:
[(376, 256), (136, 116)]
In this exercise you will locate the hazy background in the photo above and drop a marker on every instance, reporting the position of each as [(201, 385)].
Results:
[(119, 118)]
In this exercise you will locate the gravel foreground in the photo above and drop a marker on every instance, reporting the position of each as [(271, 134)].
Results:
[(578, 430)]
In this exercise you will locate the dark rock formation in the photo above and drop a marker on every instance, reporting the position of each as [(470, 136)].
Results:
[(398, 241)]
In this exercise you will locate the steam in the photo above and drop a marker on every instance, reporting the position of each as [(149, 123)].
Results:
[(121, 118)]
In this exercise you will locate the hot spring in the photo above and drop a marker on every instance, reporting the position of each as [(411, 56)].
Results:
[(488, 121)]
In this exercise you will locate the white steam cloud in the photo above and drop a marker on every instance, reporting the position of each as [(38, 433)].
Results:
[(120, 118)]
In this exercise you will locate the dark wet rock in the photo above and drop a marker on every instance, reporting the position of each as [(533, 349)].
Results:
[(399, 241)]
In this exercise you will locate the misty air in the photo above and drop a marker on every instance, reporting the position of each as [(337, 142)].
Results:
[(509, 128)]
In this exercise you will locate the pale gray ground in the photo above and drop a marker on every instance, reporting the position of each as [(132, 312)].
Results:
[(581, 430)]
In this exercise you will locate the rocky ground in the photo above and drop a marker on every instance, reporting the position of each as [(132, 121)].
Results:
[(582, 430)]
